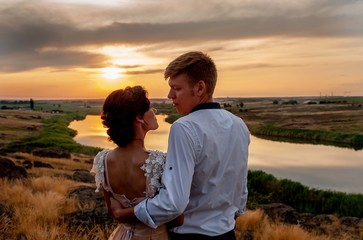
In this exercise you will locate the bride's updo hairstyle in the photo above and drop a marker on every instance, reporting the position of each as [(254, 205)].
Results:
[(119, 111)]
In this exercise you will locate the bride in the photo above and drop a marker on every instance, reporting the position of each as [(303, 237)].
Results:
[(129, 173)]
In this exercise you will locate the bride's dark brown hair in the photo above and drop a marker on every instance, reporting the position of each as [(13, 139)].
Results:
[(119, 111)]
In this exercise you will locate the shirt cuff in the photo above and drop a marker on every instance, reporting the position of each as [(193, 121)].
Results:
[(142, 214), (238, 213)]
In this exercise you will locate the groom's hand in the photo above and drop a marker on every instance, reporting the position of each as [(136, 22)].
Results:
[(176, 222)]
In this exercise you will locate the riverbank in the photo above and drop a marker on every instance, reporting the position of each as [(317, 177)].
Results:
[(334, 121)]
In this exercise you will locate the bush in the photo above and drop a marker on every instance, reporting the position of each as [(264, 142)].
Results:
[(264, 188)]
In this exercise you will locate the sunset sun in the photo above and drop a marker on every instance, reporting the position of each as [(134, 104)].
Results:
[(111, 73)]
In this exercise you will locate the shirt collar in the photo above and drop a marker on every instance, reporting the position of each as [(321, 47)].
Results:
[(207, 105)]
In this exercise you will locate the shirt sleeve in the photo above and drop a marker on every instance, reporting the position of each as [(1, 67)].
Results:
[(244, 196), (177, 177)]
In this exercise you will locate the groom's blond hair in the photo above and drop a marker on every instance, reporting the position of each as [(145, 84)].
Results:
[(197, 66)]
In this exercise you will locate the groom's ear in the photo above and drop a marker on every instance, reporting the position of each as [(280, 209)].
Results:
[(201, 88)]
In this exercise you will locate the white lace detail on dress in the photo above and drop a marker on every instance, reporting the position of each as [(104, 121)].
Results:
[(154, 168), (98, 168)]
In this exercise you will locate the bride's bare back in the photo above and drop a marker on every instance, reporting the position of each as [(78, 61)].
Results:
[(125, 175)]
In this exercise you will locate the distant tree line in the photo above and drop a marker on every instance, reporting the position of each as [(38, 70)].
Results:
[(14, 101)]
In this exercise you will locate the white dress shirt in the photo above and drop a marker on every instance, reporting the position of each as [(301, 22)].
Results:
[(205, 175)]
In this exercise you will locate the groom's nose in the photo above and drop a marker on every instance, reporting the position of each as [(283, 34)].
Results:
[(171, 94)]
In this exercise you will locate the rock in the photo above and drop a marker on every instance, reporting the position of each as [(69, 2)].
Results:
[(349, 221), (305, 221), (90, 161), (280, 212), (51, 152), (32, 128), (83, 175), (96, 213), (38, 164), (350, 224), (9, 170), (324, 219), (63, 175), (2, 152), (27, 164), (360, 225), (88, 219), (87, 197)]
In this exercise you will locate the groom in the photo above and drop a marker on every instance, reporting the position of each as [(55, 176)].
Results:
[(205, 175)]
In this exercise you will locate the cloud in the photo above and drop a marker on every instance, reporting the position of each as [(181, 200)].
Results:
[(30, 27), (52, 59), (263, 65), (128, 66), (148, 71), (26, 29)]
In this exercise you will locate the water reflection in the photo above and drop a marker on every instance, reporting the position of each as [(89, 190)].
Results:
[(318, 166), (92, 133)]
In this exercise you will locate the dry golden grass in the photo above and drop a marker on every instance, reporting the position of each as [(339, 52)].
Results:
[(38, 204), (256, 224)]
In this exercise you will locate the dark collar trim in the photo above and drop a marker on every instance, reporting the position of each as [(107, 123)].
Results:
[(208, 105)]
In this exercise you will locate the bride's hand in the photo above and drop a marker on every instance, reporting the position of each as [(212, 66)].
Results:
[(114, 205), (123, 215)]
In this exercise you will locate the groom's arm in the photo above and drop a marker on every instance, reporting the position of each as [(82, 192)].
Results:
[(128, 215), (177, 178)]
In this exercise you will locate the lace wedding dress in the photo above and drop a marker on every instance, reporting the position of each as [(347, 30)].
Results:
[(153, 169)]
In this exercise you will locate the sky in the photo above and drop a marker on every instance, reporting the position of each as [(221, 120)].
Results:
[(75, 49)]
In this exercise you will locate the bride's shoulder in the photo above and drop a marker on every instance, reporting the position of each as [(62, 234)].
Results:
[(98, 164), (156, 154), (100, 157), (102, 154), (98, 168)]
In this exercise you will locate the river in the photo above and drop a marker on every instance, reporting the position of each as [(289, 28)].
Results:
[(317, 166)]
